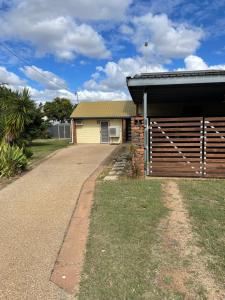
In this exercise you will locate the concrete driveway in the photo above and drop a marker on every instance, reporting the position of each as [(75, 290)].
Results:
[(35, 211)]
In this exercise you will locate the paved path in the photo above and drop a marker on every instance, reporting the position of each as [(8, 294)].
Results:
[(34, 214)]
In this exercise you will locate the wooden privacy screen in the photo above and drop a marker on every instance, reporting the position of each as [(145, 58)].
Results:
[(176, 146), (214, 147), (192, 147)]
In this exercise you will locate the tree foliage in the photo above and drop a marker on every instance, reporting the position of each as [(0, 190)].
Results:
[(59, 109), (20, 118)]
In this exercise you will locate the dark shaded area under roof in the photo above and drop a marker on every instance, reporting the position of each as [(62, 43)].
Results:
[(179, 87)]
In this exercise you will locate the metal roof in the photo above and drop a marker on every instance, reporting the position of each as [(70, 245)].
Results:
[(104, 109), (177, 78), (179, 74)]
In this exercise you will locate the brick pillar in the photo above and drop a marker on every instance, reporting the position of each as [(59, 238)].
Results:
[(137, 138), (74, 131)]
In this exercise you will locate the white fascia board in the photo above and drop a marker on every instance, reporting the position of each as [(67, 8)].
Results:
[(175, 80)]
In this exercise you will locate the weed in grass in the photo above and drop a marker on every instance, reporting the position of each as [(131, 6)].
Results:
[(168, 280)]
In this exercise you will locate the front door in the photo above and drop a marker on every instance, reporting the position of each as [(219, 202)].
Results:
[(104, 132)]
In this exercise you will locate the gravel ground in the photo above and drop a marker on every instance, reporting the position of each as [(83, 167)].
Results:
[(35, 211)]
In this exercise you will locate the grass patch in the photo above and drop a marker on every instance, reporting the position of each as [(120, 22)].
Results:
[(119, 262), (205, 201), (43, 147)]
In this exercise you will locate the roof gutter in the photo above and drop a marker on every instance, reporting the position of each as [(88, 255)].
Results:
[(103, 117), (141, 81)]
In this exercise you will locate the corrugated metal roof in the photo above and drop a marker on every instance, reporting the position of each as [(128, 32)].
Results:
[(104, 109), (179, 74)]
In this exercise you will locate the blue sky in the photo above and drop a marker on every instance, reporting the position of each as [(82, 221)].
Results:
[(58, 47)]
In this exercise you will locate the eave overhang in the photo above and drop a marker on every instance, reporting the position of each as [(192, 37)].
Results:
[(177, 84)]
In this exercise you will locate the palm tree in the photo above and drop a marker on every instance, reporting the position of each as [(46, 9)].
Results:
[(17, 116)]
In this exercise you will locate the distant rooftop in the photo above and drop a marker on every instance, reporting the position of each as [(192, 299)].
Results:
[(104, 109)]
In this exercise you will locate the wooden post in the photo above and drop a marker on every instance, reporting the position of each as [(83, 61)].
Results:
[(123, 130), (73, 132)]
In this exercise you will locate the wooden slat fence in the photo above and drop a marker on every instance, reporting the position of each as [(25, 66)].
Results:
[(193, 147), (176, 146), (214, 147)]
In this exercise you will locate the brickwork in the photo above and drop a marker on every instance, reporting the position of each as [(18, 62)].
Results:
[(137, 138)]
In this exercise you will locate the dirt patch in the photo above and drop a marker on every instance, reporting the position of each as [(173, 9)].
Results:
[(173, 279), (178, 238)]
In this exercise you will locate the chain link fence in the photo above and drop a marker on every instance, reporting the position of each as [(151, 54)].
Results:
[(60, 131)]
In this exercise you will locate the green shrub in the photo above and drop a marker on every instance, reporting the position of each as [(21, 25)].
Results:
[(27, 152), (12, 160), (25, 146)]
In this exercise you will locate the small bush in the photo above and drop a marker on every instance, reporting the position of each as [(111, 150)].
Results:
[(27, 152), (25, 146), (12, 160)]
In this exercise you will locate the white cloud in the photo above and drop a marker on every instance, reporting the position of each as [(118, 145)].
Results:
[(79, 9), (49, 95), (60, 36), (127, 30), (48, 79), (57, 27), (83, 95), (109, 82), (90, 95), (194, 62), (10, 78), (114, 74), (166, 39)]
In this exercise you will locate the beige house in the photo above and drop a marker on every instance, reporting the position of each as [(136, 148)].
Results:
[(105, 122)]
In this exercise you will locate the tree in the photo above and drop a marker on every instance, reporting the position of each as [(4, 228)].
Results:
[(59, 109), (20, 118), (19, 114), (20, 121)]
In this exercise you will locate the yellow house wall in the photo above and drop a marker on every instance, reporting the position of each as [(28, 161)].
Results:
[(89, 132)]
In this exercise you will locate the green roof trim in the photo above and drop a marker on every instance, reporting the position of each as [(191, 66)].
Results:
[(104, 109)]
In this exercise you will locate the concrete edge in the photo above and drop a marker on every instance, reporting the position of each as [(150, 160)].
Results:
[(69, 262)]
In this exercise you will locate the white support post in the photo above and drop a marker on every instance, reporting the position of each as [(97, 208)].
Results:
[(146, 134)]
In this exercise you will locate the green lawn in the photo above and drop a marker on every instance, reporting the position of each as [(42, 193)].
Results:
[(119, 262), (205, 201), (43, 147)]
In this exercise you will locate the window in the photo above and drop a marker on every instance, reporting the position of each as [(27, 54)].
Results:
[(79, 122)]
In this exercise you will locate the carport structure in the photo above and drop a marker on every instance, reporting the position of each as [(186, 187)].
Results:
[(179, 129)]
